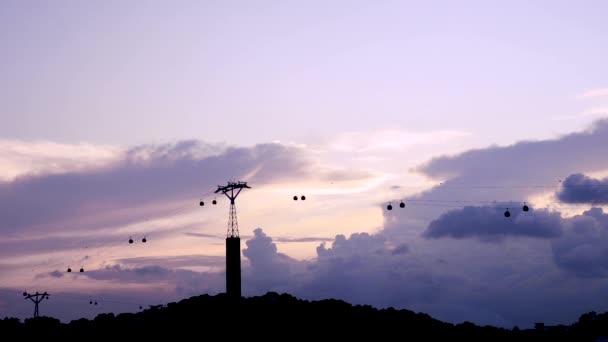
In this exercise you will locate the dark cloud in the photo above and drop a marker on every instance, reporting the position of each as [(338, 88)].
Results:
[(541, 262), (542, 158), (489, 224), (401, 249), (509, 173), (268, 269), (54, 274), (578, 188), (362, 268), (366, 269), (358, 244), (583, 250)]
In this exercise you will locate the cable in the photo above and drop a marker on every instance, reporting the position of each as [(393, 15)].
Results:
[(497, 207)]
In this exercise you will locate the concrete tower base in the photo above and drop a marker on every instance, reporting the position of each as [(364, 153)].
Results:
[(233, 266)]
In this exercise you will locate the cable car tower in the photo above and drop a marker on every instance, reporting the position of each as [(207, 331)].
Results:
[(233, 241), (36, 298)]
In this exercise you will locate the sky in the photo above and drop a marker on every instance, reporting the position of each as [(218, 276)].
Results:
[(117, 118)]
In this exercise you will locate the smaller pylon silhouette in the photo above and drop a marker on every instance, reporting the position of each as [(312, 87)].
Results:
[(36, 298)]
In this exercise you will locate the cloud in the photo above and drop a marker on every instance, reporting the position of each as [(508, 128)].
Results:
[(595, 111), (20, 159), (181, 282), (388, 140), (358, 244), (173, 262), (362, 268), (501, 174), (593, 93), (489, 224), (302, 239), (401, 249), (464, 277), (131, 275), (77, 243), (498, 166), (578, 188), (141, 184), (591, 112), (539, 249), (203, 235), (583, 250), (514, 282), (282, 239), (54, 274), (368, 269), (269, 269)]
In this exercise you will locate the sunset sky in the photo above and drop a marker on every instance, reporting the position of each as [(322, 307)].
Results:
[(118, 117)]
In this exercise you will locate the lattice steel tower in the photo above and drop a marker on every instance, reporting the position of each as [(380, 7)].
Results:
[(233, 241), (36, 298)]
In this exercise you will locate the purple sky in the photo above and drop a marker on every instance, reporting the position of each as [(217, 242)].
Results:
[(118, 118)]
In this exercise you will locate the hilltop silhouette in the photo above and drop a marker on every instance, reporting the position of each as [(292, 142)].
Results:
[(282, 316)]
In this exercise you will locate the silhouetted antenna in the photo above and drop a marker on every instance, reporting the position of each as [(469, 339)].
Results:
[(232, 190), (36, 298)]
